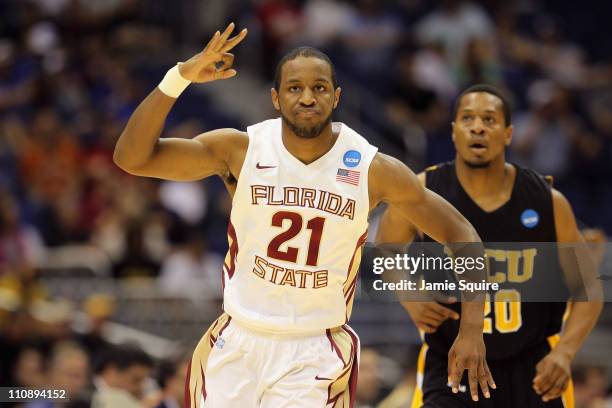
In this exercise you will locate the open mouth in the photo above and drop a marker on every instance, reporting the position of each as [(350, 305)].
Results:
[(478, 148)]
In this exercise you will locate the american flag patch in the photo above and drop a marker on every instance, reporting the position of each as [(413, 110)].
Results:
[(348, 176)]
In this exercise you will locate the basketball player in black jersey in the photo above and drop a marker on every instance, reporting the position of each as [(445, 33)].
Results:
[(529, 361)]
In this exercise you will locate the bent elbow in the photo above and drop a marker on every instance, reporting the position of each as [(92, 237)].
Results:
[(473, 233), (123, 162), (119, 160), (466, 233)]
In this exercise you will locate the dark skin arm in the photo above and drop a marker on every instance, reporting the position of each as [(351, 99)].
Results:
[(395, 229), (433, 215), (553, 371), (141, 151)]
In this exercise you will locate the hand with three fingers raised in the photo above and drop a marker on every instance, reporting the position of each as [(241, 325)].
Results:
[(214, 62)]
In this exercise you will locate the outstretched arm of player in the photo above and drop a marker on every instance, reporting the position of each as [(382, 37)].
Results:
[(396, 229), (553, 371), (394, 183), (140, 150)]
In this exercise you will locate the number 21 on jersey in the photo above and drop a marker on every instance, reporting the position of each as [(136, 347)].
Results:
[(315, 225)]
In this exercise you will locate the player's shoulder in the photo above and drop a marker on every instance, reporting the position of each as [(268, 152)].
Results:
[(229, 145), (382, 159), (389, 177), (228, 134), (440, 167), (389, 169), (533, 181), (384, 166), (437, 173), (228, 139), (560, 202)]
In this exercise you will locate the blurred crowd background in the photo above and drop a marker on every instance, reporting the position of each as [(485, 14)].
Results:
[(108, 280)]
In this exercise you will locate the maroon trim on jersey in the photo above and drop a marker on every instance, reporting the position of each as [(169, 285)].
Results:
[(229, 319), (351, 290), (223, 279), (360, 242), (352, 366), (333, 400), (203, 381), (334, 346), (187, 393), (213, 339), (355, 367), (233, 250)]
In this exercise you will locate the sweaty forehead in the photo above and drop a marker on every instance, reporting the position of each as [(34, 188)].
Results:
[(306, 69), (481, 101)]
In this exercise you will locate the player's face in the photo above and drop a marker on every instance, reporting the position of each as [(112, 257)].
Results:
[(306, 97), (480, 132)]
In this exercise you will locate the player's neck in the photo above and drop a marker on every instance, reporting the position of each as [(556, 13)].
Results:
[(309, 150), (493, 179)]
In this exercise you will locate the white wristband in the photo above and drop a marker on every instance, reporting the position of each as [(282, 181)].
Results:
[(173, 83)]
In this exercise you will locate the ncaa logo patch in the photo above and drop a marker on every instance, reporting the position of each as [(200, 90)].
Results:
[(220, 342), (530, 218), (352, 158)]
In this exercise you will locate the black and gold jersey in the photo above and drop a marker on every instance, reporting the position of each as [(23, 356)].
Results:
[(512, 234)]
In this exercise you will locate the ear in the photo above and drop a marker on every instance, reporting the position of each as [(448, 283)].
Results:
[(337, 93), (275, 101), (453, 131), (508, 135)]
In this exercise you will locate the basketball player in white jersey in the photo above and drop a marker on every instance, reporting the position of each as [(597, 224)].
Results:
[(302, 189)]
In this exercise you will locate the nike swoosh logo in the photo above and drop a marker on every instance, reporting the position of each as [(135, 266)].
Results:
[(322, 378), (259, 166)]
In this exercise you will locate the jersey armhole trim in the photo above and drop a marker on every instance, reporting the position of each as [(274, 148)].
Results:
[(247, 158)]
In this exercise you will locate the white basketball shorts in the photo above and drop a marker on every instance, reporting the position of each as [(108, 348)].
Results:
[(234, 366)]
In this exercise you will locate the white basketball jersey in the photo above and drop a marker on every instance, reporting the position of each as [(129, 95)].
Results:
[(296, 232)]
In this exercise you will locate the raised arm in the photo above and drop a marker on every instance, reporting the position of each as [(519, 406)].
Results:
[(392, 182), (140, 150)]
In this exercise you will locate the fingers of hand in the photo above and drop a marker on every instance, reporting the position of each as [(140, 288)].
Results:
[(226, 74), (557, 390), (444, 312), (232, 42), (220, 43), (473, 379), (540, 370), (432, 318), (224, 44), (213, 42), (543, 381), (225, 36), (548, 381), (222, 70), (455, 372), (426, 321), (227, 60), (490, 379), (483, 379), (426, 327)]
